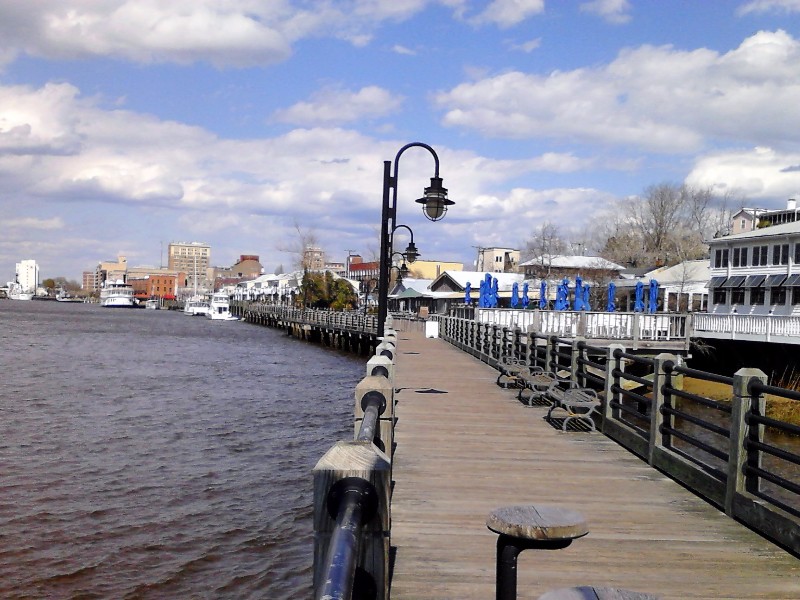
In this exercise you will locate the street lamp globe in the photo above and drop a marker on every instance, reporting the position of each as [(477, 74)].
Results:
[(435, 201), (411, 252)]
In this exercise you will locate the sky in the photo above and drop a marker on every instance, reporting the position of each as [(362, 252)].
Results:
[(128, 124)]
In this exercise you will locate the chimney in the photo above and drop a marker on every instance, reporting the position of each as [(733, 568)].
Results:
[(791, 204)]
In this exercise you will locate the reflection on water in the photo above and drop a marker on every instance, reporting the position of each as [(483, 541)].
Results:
[(147, 454)]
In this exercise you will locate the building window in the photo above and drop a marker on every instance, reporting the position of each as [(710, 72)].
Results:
[(737, 296), (795, 296), (721, 297), (757, 296), (777, 296), (760, 254), (744, 224), (736, 254), (725, 257), (718, 258), (780, 254), (744, 257), (797, 254)]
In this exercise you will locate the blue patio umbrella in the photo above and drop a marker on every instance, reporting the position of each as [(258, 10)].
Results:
[(514, 295), (638, 304), (578, 305), (611, 304), (543, 295), (494, 293), (586, 305), (562, 295), (653, 296), (468, 293), (525, 300)]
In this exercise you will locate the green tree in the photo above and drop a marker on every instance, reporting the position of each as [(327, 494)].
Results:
[(321, 290), (49, 284)]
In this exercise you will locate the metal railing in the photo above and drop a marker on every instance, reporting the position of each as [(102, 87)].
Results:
[(731, 453), (352, 487)]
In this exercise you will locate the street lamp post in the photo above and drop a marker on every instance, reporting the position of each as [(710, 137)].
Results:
[(434, 205)]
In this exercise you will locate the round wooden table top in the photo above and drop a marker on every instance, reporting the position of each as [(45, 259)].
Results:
[(537, 522)]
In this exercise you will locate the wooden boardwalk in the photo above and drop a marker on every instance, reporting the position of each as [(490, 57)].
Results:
[(466, 446)]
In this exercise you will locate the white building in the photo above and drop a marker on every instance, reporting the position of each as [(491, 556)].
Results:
[(27, 275), (757, 272)]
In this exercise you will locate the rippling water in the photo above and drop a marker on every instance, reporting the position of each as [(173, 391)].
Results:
[(147, 454)]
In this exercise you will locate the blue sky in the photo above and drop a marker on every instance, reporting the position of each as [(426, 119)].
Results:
[(127, 124)]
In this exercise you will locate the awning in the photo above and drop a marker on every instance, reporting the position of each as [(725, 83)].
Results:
[(716, 282), (754, 281), (793, 281), (734, 282), (775, 280)]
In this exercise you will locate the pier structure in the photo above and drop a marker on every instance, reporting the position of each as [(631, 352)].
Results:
[(676, 505)]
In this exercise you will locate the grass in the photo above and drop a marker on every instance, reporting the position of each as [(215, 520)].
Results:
[(780, 409)]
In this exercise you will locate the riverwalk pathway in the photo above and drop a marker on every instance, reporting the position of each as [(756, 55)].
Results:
[(466, 446)]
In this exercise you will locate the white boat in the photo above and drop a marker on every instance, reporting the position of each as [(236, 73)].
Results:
[(220, 309), (117, 294), (152, 304), (196, 305), (15, 292), (65, 296)]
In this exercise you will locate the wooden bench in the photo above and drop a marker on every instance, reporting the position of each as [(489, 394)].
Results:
[(578, 403)]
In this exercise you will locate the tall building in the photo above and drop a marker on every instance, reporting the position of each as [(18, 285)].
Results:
[(313, 258), (27, 275), (192, 258)]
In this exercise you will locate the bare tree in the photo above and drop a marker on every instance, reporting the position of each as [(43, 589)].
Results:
[(299, 247), (545, 243)]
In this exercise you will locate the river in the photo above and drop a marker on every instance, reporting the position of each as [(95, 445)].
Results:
[(148, 454)]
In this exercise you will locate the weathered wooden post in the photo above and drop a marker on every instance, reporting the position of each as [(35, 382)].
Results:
[(744, 401), (351, 522), (383, 387)]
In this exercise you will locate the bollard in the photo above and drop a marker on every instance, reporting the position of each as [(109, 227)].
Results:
[(381, 365), (385, 427)]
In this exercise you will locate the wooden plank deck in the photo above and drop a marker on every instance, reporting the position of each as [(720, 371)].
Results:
[(466, 446)]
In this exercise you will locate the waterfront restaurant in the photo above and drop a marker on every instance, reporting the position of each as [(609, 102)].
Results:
[(757, 272)]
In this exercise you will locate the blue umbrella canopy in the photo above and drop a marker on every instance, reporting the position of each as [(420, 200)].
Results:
[(494, 294), (468, 293), (578, 294), (611, 304), (482, 295), (543, 295), (586, 305), (562, 295), (638, 304), (525, 300), (653, 296), (514, 295)]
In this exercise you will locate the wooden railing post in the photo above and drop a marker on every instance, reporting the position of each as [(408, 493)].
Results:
[(352, 469), (610, 413), (742, 403), (656, 417)]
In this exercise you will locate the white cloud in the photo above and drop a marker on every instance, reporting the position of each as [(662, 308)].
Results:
[(613, 11), (507, 13), (761, 173), (528, 46), (34, 223), (336, 106), (400, 49), (659, 99), (769, 6)]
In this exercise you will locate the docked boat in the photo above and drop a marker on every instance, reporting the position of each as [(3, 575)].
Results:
[(153, 304), (220, 309), (195, 306), (15, 292), (117, 294)]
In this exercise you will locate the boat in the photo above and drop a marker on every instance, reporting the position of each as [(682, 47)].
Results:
[(195, 306), (152, 304), (117, 294), (65, 296), (220, 309), (15, 292)]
